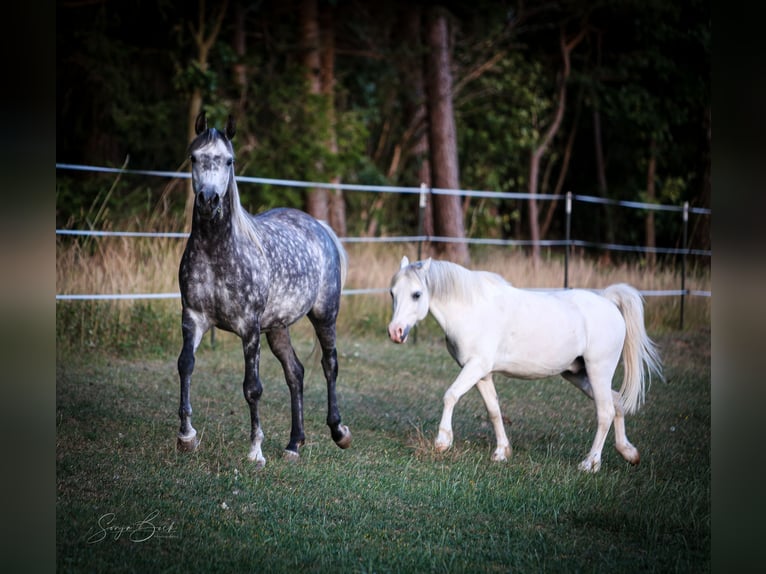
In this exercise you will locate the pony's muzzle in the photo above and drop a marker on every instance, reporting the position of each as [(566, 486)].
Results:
[(397, 333), (208, 202)]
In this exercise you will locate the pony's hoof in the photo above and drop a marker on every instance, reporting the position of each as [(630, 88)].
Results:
[(630, 453), (590, 465), (501, 454), (443, 441), (344, 441), (187, 443)]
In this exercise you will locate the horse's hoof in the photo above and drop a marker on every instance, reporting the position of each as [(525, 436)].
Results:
[(291, 455), (187, 443), (344, 441)]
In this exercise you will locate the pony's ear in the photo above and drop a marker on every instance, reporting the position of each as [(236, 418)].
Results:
[(200, 125), (404, 262), (426, 265), (231, 127)]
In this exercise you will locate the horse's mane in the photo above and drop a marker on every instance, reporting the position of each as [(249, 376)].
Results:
[(448, 280), (242, 221)]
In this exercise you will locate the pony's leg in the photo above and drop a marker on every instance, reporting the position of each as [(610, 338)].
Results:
[(621, 442), (279, 342), (325, 331), (253, 389), (597, 384), (472, 372), (487, 389), (193, 327)]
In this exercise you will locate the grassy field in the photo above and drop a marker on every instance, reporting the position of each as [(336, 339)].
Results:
[(127, 501)]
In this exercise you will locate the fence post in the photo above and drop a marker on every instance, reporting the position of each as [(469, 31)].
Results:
[(421, 216), (683, 260), (568, 232)]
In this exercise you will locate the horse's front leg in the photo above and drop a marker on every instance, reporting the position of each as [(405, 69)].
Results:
[(193, 327), (280, 345), (253, 390), (472, 372)]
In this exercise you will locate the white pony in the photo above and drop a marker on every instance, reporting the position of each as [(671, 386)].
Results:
[(491, 327)]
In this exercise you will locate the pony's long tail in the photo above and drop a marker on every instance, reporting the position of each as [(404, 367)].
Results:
[(341, 253), (639, 355)]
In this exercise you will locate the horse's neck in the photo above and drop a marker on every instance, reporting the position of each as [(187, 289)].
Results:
[(213, 236), (445, 308)]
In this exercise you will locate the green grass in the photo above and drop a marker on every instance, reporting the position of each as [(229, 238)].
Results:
[(389, 503)]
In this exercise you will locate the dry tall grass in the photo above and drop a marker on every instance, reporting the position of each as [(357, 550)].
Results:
[(149, 265)]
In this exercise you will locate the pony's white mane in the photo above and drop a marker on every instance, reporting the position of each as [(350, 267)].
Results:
[(446, 280)]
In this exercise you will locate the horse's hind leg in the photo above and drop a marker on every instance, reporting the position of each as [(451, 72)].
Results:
[(621, 442), (326, 334), (487, 389), (279, 342)]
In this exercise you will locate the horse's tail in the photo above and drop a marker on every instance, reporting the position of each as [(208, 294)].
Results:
[(639, 355), (342, 255)]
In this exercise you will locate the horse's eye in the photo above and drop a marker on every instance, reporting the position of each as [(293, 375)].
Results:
[(193, 159), (229, 161), (416, 295)]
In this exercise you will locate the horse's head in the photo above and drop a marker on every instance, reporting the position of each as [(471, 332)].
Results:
[(212, 166), (410, 296)]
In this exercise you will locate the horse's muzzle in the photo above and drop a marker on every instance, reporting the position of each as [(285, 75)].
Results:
[(208, 203), (397, 333)]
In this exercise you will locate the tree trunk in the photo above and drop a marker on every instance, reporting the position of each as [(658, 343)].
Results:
[(542, 148), (204, 43), (240, 48), (447, 212), (316, 199), (416, 105), (336, 203), (600, 163), (651, 195), (564, 169)]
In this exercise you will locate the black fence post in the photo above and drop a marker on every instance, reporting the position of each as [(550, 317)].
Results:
[(684, 251)]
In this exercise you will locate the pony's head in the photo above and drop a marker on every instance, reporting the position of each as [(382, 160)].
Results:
[(410, 296), (212, 166)]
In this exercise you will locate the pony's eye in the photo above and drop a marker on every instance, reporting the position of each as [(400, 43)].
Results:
[(416, 295), (229, 161), (193, 159)]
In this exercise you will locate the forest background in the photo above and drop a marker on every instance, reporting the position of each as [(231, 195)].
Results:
[(602, 98)]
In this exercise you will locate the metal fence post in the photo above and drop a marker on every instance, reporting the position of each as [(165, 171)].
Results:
[(421, 216)]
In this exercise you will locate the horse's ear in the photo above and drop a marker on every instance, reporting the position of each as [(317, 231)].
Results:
[(404, 262), (426, 265), (200, 125), (231, 127)]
